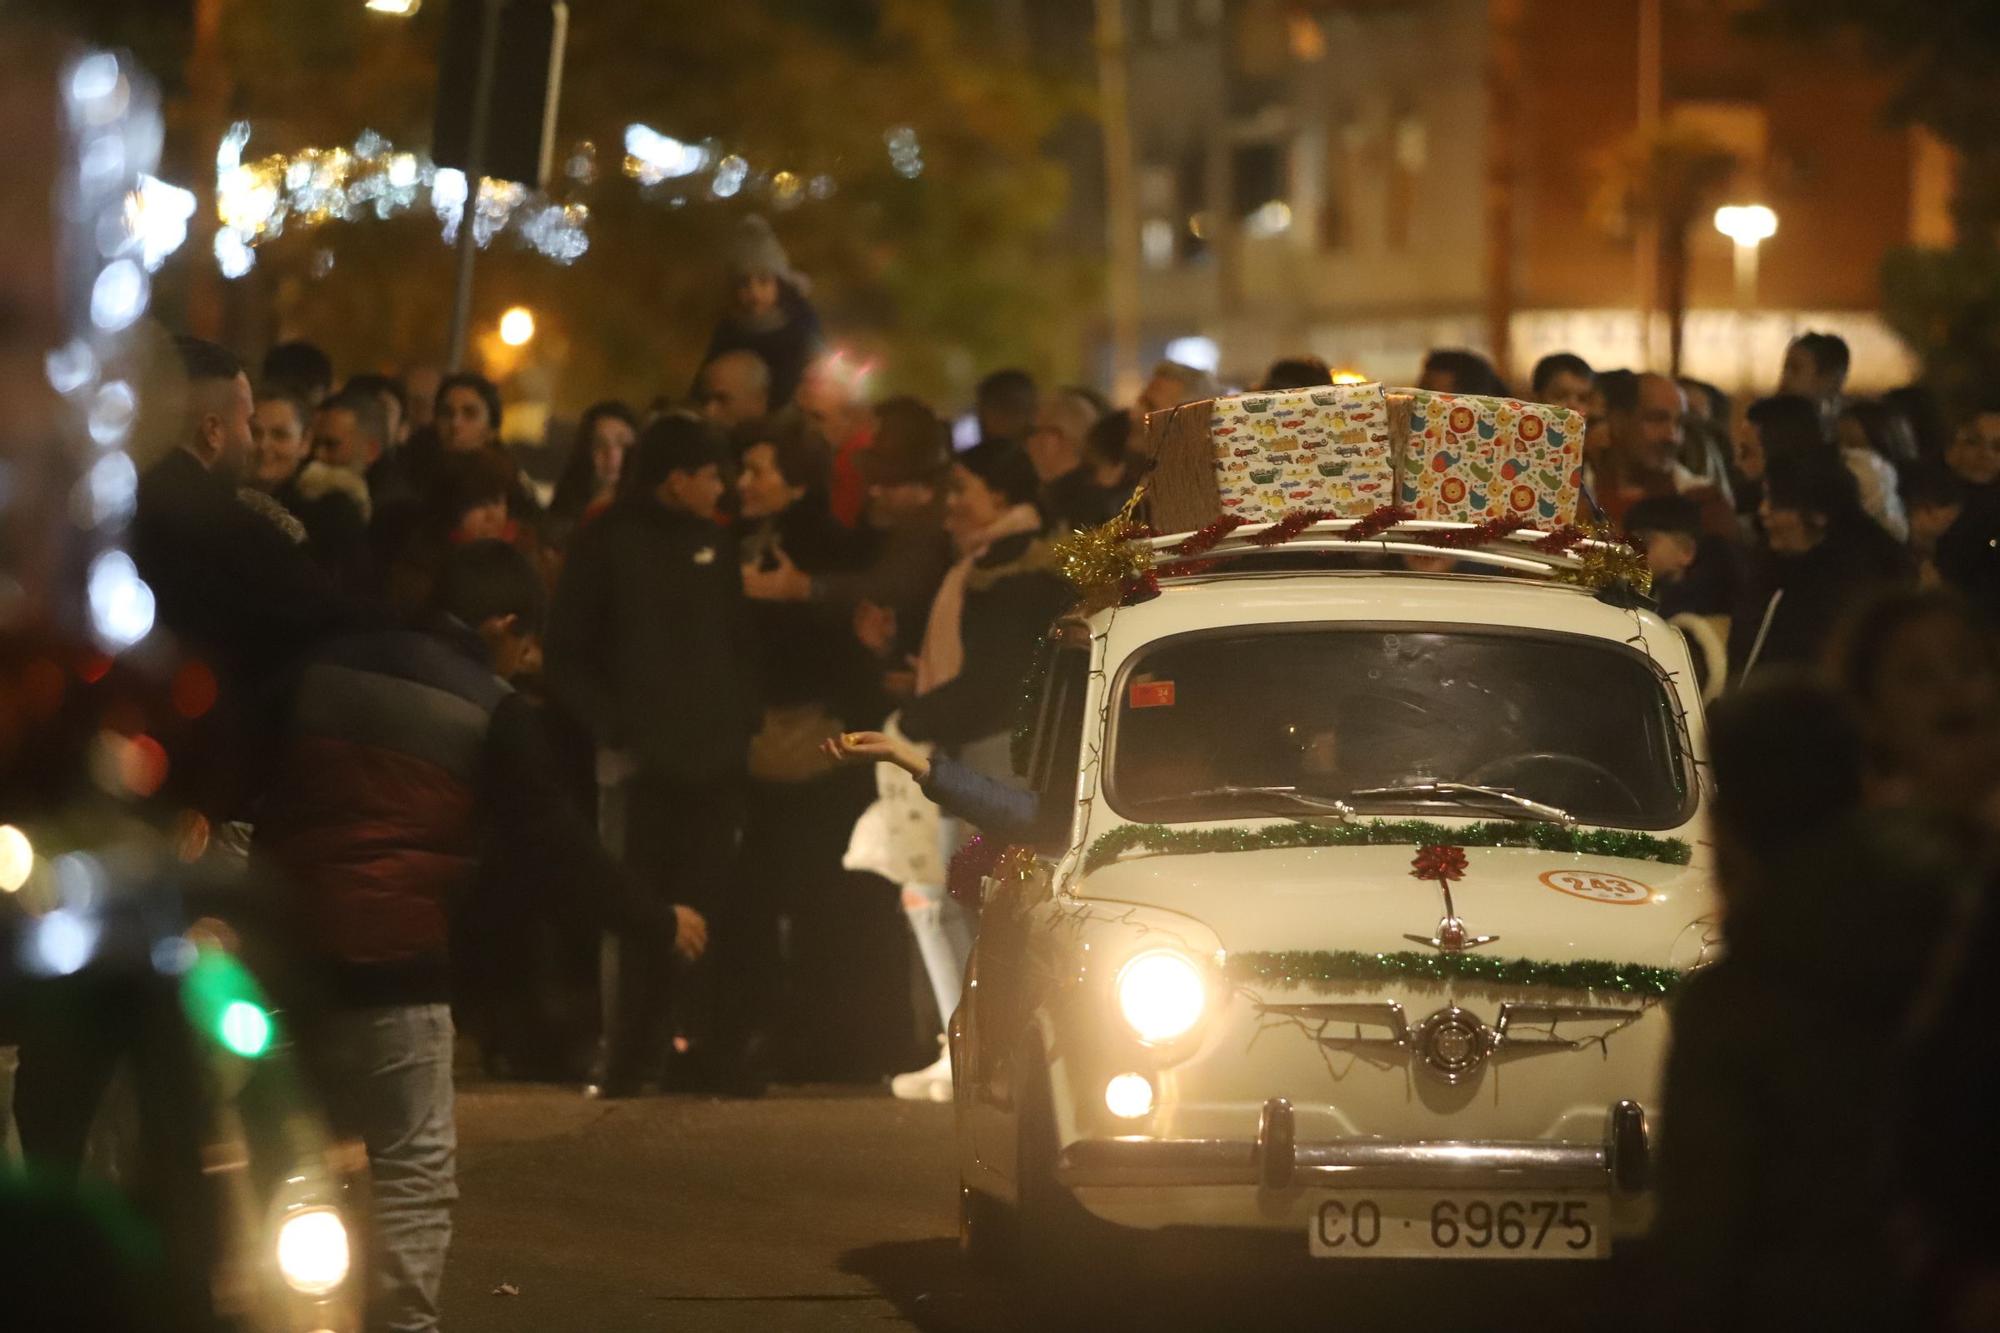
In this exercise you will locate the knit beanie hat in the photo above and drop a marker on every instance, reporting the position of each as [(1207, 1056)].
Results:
[(754, 251)]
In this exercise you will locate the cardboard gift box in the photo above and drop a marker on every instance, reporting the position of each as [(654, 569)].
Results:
[(1261, 455), (1471, 459)]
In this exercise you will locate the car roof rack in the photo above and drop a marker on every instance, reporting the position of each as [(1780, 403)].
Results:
[(1247, 550)]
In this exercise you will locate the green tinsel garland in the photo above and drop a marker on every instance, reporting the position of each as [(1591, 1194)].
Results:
[(1160, 839), (1329, 971)]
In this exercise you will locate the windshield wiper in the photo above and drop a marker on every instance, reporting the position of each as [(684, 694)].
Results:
[(1320, 805), (1520, 806)]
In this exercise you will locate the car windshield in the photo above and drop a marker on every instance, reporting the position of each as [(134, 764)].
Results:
[(1281, 721)]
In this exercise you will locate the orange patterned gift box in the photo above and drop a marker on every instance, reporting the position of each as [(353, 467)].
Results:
[(1471, 459)]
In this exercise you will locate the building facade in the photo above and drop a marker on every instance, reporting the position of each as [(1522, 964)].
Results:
[(1365, 179)]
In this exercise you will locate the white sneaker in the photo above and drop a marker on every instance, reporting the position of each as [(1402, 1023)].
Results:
[(925, 1085)]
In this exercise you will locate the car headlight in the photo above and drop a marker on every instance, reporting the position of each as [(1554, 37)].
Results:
[(1162, 995), (312, 1251)]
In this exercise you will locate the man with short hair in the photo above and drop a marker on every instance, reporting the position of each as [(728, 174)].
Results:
[(1644, 458), (1563, 379), (395, 400), (734, 387), (1173, 384), (1005, 403), (223, 577), (1069, 499)]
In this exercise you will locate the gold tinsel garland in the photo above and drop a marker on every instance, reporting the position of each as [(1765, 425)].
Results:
[(1605, 562)]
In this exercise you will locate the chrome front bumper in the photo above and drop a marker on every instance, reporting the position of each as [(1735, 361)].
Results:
[(1275, 1160)]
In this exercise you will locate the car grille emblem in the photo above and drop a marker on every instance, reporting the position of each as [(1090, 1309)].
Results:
[(1452, 936)]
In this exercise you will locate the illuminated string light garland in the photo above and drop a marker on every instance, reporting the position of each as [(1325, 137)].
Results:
[(257, 200)]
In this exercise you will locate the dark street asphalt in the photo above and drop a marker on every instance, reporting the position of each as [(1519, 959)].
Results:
[(834, 1210)]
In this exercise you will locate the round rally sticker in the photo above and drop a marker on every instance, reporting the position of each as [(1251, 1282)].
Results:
[(1599, 888)]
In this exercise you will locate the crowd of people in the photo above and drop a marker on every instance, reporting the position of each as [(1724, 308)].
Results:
[(1832, 562), (492, 724)]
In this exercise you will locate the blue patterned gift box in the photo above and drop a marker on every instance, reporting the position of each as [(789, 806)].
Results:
[(1326, 447)]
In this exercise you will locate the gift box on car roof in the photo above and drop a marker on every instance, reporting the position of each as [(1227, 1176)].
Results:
[(1347, 450), (1474, 459)]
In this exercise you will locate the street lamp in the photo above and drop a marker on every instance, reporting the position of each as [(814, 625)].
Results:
[(1749, 226), (517, 327), (401, 9)]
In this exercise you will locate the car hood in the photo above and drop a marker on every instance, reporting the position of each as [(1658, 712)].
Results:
[(1547, 906)]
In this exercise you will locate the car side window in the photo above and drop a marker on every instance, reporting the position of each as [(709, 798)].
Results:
[(1058, 743)]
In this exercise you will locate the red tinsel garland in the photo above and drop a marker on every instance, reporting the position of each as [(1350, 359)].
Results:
[(1378, 521), (969, 869), (1207, 538), (1467, 538), (1440, 864), (1293, 524), (1290, 526), (1141, 588)]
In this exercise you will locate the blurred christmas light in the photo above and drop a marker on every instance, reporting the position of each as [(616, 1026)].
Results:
[(233, 253), (905, 153), (1349, 377), (156, 216), (786, 189), (517, 327), (121, 605), (258, 200), (72, 367), (60, 944), (119, 296), (1197, 351), (652, 157), (730, 173), (17, 859), (401, 9), (1274, 218)]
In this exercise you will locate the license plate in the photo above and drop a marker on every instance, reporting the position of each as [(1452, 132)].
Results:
[(1408, 1224)]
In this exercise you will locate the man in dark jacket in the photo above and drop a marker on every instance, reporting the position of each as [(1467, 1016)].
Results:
[(223, 578), (235, 592), (649, 647), (406, 758)]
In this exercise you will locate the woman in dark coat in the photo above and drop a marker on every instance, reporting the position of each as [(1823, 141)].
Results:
[(1823, 555)]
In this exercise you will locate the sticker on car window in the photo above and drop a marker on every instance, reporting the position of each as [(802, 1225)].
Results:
[(1598, 888), (1152, 694)]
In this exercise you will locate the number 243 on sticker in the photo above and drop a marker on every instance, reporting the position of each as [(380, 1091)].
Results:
[(1152, 694)]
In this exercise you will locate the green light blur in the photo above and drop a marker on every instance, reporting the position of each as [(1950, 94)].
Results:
[(223, 1000)]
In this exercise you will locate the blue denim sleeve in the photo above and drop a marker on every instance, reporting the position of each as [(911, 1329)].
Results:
[(996, 808)]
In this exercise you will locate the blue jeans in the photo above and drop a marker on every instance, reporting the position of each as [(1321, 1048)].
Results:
[(943, 928), (389, 1080)]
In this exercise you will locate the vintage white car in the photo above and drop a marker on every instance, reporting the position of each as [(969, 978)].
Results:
[(1222, 994)]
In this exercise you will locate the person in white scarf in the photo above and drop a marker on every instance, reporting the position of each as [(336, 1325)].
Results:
[(980, 640)]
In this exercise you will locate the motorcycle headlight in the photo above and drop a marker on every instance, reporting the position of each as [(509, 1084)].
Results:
[(1161, 995), (312, 1251)]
